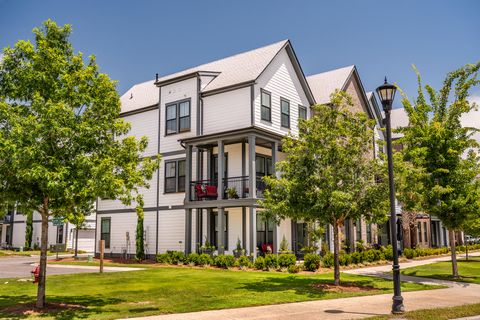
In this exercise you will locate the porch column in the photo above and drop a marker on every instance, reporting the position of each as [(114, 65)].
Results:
[(221, 169), (244, 228), (209, 224), (199, 225), (221, 230), (252, 186), (188, 172), (277, 174), (188, 231)]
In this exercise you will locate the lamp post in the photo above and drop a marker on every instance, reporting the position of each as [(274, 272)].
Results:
[(386, 93)]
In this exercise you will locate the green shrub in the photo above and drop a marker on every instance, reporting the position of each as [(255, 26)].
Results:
[(286, 260), (271, 261), (177, 257), (388, 252), (192, 258), (224, 261), (344, 259), (409, 253), (164, 258), (328, 260), (244, 261), (357, 257), (311, 262), (260, 263), (294, 268), (204, 259)]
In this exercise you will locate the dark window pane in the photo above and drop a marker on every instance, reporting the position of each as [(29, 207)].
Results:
[(170, 169), (302, 113), (171, 126), (181, 175), (266, 99), (269, 166), (170, 185), (185, 109), (285, 107), (172, 112), (285, 121), (260, 165), (185, 123), (266, 114)]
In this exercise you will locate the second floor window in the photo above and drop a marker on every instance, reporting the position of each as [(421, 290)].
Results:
[(177, 117), (174, 176), (302, 113), (266, 108), (285, 109)]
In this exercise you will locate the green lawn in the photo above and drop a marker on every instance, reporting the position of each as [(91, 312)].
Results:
[(469, 271), (437, 314), (11, 253), (171, 290)]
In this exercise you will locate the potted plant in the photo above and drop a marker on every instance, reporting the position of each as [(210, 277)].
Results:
[(238, 251), (284, 246), (232, 193), (207, 248)]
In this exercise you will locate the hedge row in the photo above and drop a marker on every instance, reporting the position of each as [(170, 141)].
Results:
[(289, 262)]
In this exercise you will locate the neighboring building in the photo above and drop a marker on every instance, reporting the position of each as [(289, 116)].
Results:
[(219, 130), (13, 226)]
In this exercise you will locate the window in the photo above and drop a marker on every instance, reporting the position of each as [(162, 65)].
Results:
[(215, 167), (263, 165), (419, 231), (358, 229), (264, 231), (214, 229), (266, 108), (174, 176), (177, 117), (425, 234), (369, 233), (285, 109), (105, 231), (302, 113)]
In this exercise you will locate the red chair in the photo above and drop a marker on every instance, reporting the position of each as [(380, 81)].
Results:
[(267, 248), (211, 191), (200, 191)]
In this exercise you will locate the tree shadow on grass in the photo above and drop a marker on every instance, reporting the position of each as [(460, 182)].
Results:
[(58, 307), (310, 287)]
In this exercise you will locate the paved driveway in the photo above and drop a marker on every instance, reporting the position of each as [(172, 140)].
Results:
[(20, 267)]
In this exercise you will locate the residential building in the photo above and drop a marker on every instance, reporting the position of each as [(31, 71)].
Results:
[(218, 128), (13, 227)]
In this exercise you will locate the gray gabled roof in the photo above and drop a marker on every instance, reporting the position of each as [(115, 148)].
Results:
[(239, 68), (325, 83)]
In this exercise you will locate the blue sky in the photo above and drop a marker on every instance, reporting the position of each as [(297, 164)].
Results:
[(133, 40)]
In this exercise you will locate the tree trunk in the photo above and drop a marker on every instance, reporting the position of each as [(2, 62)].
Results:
[(43, 255), (76, 242), (451, 235), (336, 252), (414, 236)]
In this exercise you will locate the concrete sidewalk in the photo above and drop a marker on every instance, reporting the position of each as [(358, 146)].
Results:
[(350, 308)]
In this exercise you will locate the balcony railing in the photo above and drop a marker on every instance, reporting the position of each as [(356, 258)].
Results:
[(234, 188)]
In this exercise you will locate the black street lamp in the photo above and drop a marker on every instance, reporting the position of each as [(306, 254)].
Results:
[(386, 93)]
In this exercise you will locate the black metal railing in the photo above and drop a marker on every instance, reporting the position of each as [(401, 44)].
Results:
[(233, 188)]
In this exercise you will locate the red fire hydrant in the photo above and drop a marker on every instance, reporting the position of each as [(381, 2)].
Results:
[(36, 274)]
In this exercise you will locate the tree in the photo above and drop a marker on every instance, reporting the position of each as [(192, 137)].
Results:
[(29, 230), (329, 174), (60, 133), (409, 189), (77, 215), (435, 141)]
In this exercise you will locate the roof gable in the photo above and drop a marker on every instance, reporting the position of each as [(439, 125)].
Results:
[(325, 83)]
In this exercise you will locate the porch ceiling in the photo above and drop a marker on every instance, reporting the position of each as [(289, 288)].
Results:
[(262, 138)]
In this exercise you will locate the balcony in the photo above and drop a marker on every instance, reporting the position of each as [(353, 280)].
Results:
[(234, 188)]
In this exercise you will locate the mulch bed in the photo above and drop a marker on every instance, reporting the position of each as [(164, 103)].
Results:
[(29, 309)]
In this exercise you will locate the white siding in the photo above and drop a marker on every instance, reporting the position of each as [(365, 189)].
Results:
[(145, 124), (281, 80), (171, 233), (227, 111)]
